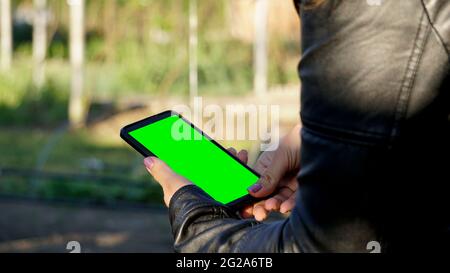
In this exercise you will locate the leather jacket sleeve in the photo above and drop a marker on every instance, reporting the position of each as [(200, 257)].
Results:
[(200, 224)]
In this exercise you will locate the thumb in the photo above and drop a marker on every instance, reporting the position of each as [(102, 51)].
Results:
[(160, 171), (165, 176), (270, 178)]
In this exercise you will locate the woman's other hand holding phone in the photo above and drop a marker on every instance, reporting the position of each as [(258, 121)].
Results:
[(278, 171)]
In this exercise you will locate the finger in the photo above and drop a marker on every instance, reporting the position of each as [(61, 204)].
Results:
[(271, 177), (273, 204), (288, 205), (260, 212), (247, 212), (162, 173), (243, 156), (232, 151)]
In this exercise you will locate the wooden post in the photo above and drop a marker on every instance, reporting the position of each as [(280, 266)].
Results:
[(5, 35), (77, 111), (193, 43), (260, 48), (39, 42)]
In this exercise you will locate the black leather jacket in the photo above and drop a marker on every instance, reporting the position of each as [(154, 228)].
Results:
[(375, 139)]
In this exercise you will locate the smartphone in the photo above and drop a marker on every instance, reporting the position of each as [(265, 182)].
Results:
[(193, 155)]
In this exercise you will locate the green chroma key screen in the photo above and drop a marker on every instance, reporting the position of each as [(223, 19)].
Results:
[(196, 158)]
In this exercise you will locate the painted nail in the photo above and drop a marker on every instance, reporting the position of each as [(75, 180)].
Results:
[(255, 188), (148, 162)]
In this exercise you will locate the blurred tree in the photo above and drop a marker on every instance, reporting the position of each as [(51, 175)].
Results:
[(193, 44), (39, 41), (260, 47), (6, 34), (77, 107)]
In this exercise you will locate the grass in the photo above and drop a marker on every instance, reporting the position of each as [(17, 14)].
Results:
[(22, 148)]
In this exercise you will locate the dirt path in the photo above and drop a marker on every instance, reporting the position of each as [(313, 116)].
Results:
[(28, 226)]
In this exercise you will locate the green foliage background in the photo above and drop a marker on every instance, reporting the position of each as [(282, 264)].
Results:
[(134, 47)]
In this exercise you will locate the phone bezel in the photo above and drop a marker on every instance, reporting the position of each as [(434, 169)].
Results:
[(124, 134)]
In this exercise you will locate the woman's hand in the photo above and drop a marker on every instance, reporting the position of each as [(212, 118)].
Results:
[(278, 171), (163, 174)]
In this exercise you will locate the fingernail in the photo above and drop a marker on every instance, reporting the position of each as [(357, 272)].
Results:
[(255, 188), (148, 162)]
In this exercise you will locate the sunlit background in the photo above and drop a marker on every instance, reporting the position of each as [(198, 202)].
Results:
[(74, 72)]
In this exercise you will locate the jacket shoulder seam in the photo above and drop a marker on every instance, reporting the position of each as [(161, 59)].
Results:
[(408, 80)]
